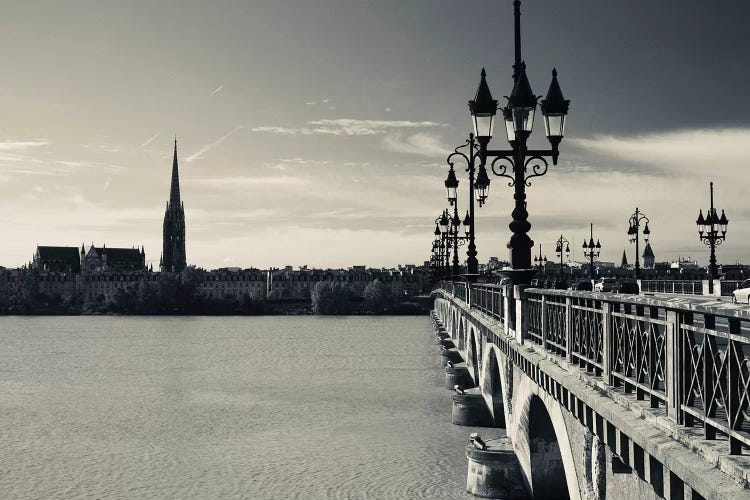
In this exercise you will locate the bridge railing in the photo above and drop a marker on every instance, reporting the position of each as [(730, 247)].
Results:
[(687, 287), (690, 360)]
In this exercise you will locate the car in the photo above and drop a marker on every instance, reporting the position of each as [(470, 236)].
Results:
[(742, 294), (605, 285), (627, 285), (584, 285)]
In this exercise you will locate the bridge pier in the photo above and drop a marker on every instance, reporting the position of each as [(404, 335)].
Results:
[(458, 376), (447, 343), (451, 355), (470, 410), (495, 472)]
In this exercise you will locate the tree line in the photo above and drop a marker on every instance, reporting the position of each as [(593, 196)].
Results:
[(178, 293)]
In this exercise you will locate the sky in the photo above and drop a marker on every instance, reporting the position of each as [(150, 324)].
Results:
[(315, 133)]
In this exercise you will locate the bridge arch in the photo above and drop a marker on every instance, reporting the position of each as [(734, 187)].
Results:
[(472, 355), (461, 337), (543, 445), (546, 464), (492, 387)]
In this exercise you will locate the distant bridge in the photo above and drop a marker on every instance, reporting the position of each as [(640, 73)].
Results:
[(604, 395)]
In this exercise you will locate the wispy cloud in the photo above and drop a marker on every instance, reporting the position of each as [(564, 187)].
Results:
[(199, 154), (245, 182), (420, 144), (21, 145), (149, 141), (289, 163), (348, 127), (217, 90), (697, 150), (276, 130)]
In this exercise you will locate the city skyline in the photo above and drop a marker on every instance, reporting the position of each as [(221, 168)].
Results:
[(323, 143)]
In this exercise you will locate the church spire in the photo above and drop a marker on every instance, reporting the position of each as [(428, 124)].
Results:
[(174, 192)]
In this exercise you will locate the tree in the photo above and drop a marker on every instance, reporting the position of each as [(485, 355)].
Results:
[(377, 298), (329, 297)]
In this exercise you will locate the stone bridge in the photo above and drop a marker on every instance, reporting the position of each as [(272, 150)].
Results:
[(600, 395)]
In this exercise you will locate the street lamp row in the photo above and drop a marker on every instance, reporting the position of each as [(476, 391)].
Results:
[(519, 165)]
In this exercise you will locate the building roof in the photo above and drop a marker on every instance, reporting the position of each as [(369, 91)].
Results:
[(126, 257), (61, 256), (648, 252)]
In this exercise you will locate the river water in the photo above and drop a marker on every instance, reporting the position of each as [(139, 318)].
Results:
[(255, 407)]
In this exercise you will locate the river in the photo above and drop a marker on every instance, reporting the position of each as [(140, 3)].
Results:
[(226, 407)]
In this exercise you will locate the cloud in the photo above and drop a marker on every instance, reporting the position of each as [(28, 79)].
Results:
[(217, 90), (276, 130), (244, 182), (149, 141), (420, 144), (21, 145), (199, 154), (348, 127), (696, 151), (289, 163)]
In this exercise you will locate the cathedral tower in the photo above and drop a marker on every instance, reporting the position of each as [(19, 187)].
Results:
[(173, 256)]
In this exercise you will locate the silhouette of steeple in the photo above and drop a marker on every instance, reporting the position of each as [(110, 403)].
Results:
[(174, 192), (173, 248), (624, 262)]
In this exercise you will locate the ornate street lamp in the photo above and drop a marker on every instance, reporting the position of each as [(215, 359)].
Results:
[(541, 262), (451, 184), (469, 157), (591, 250), (634, 229), (519, 164), (562, 249), (445, 223), (708, 232), (483, 109), (436, 249)]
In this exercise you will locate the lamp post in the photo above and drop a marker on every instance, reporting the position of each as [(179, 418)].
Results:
[(444, 224), (541, 262), (634, 230), (519, 164), (562, 249), (591, 250), (478, 185), (437, 252), (708, 232)]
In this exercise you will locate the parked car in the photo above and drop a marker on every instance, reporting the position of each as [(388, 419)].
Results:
[(627, 285), (742, 294), (605, 285), (584, 285)]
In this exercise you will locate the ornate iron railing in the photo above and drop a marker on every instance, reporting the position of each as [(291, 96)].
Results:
[(688, 359), (587, 345), (686, 287)]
